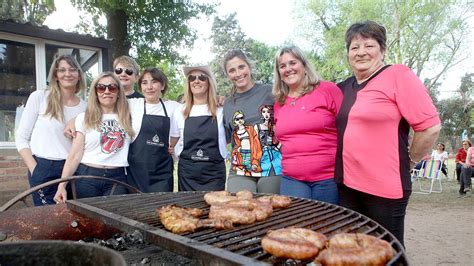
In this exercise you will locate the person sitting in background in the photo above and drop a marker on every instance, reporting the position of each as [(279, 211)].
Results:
[(127, 71), (40, 140), (308, 148), (441, 155), (101, 145), (467, 172), (461, 158)]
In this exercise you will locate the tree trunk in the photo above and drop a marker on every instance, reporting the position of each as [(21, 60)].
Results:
[(117, 31)]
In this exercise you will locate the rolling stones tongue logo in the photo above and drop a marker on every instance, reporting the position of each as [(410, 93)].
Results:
[(112, 136)]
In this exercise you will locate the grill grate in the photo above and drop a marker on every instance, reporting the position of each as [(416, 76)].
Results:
[(240, 245)]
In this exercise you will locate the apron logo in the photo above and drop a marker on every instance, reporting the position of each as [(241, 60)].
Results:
[(199, 156), (155, 141)]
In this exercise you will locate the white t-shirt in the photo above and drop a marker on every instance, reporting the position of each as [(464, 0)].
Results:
[(107, 146), (42, 134), (136, 111), (439, 156), (177, 128)]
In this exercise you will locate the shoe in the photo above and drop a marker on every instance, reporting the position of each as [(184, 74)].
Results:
[(467, 189)]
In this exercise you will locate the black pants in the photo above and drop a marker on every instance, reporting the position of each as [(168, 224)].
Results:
[(389, 213), (458, 171)]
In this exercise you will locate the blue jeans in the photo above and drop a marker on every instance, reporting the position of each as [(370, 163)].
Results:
[(324, 190), (45, 170), (86, 188)]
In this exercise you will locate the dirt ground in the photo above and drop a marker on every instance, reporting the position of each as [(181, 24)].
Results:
[(439, 227)]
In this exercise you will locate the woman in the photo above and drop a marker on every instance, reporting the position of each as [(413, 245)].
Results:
[(199, 129), (151, 165), (127, 71), (40, 140), (102, 140), (461, 158), (381, 103), (441, 155), (308, 149), (255, 164), (466, 169)]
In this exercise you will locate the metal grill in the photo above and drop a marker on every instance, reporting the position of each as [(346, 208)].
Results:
[(240, 245)]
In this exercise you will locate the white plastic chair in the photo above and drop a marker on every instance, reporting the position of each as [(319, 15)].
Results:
[(431, 170)]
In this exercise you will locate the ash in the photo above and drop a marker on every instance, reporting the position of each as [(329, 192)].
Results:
[(138, 252)]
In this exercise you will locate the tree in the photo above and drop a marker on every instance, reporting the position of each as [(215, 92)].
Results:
[(154, 28), (455, 112), (226, 35), (32, 11), (421, 34)]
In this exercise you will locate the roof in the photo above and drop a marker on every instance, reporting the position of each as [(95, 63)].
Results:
[(43, 32)]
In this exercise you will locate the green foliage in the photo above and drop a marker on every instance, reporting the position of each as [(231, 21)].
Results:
[(456, 112), (226, 35), (32, 11), (421, 34), (153, 27)]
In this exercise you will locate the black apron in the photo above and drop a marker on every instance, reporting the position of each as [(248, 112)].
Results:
[(151, 166), (201, 166)]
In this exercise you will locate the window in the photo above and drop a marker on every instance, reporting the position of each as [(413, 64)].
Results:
[(17, 81)]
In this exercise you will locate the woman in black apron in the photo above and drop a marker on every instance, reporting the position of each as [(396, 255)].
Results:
[(199, 128), (151, 165)]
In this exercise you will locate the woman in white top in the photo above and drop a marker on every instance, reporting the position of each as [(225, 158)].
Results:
[(102, 140), (151, 165), (441, 155), (199, 128), (40, 140)]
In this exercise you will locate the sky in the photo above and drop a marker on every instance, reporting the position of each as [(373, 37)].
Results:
[(268, 21)]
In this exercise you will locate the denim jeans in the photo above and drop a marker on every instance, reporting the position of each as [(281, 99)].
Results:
[(86, 188), (324, 190), (45, 170), (389, 213)]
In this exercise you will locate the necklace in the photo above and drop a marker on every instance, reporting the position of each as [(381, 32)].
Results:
[(294, 99)]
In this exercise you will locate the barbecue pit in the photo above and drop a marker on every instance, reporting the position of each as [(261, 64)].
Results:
[(237, 246)]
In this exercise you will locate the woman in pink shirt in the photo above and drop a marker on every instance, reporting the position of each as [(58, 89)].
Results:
[(305, 124), (466, 173)]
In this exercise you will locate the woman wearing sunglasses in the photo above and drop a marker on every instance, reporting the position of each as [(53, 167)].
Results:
[(40, 140), (101, 145), (127, 71), (151, 165), (199, 129)]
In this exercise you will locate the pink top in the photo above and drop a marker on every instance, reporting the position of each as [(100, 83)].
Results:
[(470, 152), (375, 137), (306, 128)]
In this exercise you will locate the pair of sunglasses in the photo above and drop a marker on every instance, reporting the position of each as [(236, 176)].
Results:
[(201, 77), (119, 71), (100, 88)]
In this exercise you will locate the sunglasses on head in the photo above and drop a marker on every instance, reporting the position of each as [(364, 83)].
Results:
[(119, 71), (201, 77), (100, 88)]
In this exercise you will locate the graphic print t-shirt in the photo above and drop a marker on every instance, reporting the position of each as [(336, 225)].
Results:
[(248, 120), (106, 146)]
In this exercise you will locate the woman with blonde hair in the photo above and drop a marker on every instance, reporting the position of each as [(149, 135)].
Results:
[(200, 131), (102, 140), (40, 140), (305, 124)]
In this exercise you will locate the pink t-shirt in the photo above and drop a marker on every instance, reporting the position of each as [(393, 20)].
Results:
[(306, 128), (375, 138)]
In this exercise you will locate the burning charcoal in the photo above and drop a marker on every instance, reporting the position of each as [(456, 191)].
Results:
[(112, 243), (136, 237), (145, 261)]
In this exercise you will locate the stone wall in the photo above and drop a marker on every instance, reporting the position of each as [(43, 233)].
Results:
[(13, 175)]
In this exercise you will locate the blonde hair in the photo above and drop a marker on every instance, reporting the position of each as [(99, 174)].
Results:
[(93, 115), (311, 79), (211, 96), (128, 61), (54, 106)]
